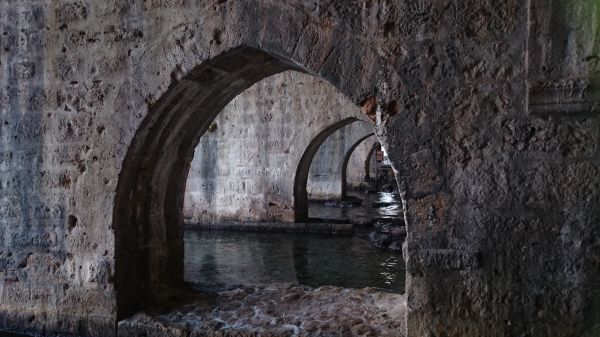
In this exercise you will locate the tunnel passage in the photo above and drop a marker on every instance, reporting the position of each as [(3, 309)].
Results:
[(244, 166), (301, 200), (327, 174)]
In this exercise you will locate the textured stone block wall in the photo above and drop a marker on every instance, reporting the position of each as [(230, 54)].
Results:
[(56, 161), (244, 166)]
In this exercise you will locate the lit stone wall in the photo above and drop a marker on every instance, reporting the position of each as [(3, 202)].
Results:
[(245, 165), (327, 175)]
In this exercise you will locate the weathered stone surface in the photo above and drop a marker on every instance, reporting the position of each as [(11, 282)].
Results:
[(567, 138), (570, 96), (279, 227), (277, 310)]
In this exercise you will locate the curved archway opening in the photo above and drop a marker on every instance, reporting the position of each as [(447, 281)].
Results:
[(147, 216), (326, 176), (301, 178), (371, 161), (238, 192)]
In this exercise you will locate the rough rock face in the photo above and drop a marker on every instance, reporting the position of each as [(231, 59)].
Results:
[(388, 237), (488, 110), (244, 166), (277, 310)]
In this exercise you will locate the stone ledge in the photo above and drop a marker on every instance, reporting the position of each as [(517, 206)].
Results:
[(277, 227), (447, 259), (565, 97)]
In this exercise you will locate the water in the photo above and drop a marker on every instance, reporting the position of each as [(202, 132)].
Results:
[(380, 206), (218, 259), (221, 259)]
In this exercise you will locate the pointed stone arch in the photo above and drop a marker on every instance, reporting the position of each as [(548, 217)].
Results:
[(347, 160), (147, 215)]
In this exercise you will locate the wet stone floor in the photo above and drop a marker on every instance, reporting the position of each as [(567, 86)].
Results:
[(293, 285), (276, 310)]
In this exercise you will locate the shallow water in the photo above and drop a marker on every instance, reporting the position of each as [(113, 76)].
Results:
[(217, 259), (375, 206), (223, 259)]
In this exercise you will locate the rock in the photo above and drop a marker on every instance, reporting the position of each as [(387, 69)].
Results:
[(388, 237), (279, 310)]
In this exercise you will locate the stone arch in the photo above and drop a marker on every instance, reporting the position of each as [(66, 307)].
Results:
[(249, 41), (347, 158), (326, 170), (356, 174), (147, 214), (205, 71), (345, 164), (374, 149), (301, 178)]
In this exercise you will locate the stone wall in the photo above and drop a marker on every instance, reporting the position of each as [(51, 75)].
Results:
[(361, 160), (244, 166), (509, 239), (489, 114), (327, 175)]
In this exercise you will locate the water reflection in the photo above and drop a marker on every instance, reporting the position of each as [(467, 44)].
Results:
[(217, 259), (222, 259), (375, 206)]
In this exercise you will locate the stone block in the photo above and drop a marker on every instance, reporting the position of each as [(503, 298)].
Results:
[(72, 11), (24, 70)]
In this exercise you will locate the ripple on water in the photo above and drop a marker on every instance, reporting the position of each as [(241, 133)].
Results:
[(225, 259)]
